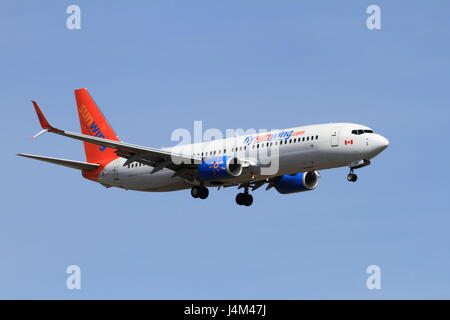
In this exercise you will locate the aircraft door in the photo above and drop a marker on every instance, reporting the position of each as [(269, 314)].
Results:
[(335, 137), (115, 172)]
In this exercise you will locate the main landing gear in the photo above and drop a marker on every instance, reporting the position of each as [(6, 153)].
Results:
[(244, 198), (201, 192)]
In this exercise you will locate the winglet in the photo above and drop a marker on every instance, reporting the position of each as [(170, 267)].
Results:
[(39, 133), (43, 121)]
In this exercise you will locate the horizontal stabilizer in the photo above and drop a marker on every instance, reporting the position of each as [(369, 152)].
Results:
[(62, 162)]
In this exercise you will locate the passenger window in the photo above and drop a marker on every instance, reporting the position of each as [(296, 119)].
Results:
[(317, 137), (307, 138), (303, 139)]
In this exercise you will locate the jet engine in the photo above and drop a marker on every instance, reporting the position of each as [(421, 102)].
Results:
[(298, 182), (220, 168)]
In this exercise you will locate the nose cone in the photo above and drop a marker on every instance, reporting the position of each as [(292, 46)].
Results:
[(384, 142), (379, 143)]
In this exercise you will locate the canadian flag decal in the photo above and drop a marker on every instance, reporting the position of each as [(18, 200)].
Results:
[(346, 142)]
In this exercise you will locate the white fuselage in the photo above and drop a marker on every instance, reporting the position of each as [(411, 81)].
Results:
[(290, 151)]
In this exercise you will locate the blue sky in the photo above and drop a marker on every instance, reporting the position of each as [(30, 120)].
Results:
[(154, 66)]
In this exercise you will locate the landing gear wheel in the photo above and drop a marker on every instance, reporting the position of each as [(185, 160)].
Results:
[(195, 191), (352, 177), (199, 192), (248, 200), (240, 198), (204, 192), (245, 199)]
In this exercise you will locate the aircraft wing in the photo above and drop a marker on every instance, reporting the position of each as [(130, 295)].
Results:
[(133, 153)]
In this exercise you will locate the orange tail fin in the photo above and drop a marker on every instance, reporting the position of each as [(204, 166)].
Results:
[(93, 123)]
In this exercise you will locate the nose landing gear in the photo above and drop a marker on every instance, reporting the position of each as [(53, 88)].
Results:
[(351, 176), (244, 198), (199, 192)]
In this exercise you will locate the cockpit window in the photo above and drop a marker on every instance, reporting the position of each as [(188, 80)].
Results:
[(361, 131)]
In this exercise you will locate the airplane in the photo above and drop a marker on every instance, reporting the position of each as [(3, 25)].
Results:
[(287, 160)]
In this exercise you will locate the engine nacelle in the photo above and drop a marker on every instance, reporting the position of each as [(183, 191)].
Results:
[(220, 168), (299, 182)]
